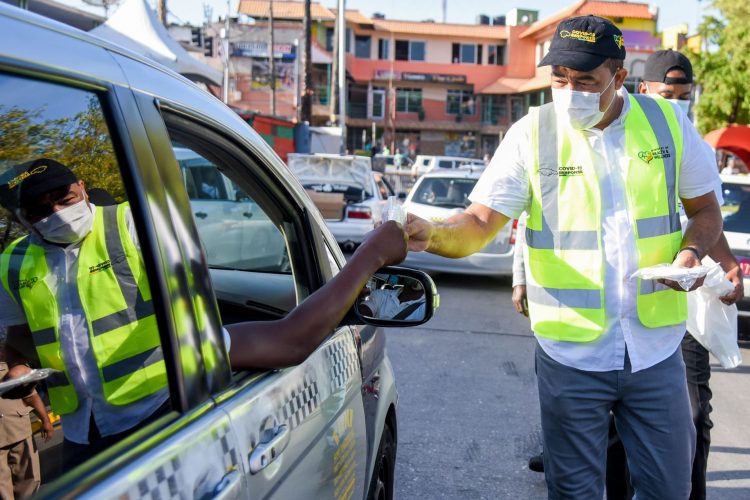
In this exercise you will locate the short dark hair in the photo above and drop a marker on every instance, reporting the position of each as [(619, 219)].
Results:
[(613, 64)]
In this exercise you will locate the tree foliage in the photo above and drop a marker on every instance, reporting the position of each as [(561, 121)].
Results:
[(81, 142), (723, 66)]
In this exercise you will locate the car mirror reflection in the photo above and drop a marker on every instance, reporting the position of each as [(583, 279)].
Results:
[(394, 298)]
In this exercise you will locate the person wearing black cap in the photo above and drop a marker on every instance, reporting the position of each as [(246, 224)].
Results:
[(668, 74), (79, 277), (67, 283), (600, 173)]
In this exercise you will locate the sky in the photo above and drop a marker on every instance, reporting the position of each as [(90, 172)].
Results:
[(671, 12)]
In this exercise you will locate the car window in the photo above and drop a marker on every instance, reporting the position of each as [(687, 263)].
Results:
[(252, 240), (75, 296), (383, 188), (445, 164), (444, 192), (236, 233), (736, 207)]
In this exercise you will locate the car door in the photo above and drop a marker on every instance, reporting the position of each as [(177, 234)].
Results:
[(301, 430), (94, 128)]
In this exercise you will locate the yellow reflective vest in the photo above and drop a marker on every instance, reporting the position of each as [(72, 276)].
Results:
[(565, 260), (116, 301)]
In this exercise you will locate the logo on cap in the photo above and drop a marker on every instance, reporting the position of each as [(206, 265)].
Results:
[(17, 180), (619, 41), (581, 36)]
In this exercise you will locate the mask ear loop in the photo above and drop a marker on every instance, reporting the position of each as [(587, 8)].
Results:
[(613, 97), (25, 223)]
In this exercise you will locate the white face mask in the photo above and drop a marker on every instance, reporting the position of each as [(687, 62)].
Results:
[(683, 104), (581, 108), (69, 225)]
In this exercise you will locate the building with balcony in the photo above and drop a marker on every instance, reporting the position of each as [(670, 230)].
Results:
[(421, 87)]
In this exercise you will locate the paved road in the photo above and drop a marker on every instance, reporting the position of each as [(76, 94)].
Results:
[(469, 413)]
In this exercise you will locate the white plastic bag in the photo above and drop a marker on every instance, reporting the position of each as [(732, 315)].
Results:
[(685, 276), (711, 322)]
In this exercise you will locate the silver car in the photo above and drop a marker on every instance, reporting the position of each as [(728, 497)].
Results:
[(348, 193), (132, 130), (440, 194)]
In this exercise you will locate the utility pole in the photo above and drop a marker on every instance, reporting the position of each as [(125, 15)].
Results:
[(445, 11), (161, 11), (307, 95), (341, 21), (333, 88), (225, 45), (271, 59), (297, 99)]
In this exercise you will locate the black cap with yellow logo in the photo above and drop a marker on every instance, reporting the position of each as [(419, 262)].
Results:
[(584, 43)]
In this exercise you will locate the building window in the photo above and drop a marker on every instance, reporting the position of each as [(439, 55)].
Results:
[(383, 46), (348, 41), (494, 108), (466, 53), (495, 55), (416, 51), (329, 39), (460, 102), (410, 51), (408, 100), (362, 47)]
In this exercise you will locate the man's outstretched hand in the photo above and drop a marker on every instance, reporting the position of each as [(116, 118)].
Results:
[(387, 242), (419, 231)]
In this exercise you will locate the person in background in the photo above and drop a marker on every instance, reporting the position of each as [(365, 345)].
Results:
[(20, 474)]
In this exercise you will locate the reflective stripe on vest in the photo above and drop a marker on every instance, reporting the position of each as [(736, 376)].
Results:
[(116, 301), (563, 234)]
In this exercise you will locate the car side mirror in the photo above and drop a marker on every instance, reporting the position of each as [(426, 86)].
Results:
[(402, 195), (398, 297)]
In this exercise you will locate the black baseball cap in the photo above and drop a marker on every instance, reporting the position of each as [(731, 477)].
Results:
[(662, 62), (584, 43), (40, 176)]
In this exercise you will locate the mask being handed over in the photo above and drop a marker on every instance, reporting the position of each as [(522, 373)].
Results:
[(580, 108), (69, 225)]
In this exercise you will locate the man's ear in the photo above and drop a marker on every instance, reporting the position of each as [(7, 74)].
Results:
[(620, 76), (642, 88)]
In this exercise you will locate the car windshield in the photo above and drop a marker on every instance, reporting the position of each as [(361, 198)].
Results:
[(444, 192), (736, 207)]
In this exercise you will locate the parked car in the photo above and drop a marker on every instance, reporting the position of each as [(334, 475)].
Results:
[(387, 163), (425, 163), (736, 212), (137, 132), (348, 193), (440, 194)]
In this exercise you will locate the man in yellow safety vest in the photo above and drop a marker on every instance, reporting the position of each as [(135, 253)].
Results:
[(75, 298), (600, 173)]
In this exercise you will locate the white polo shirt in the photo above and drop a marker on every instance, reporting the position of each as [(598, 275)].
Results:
[(504, 187)]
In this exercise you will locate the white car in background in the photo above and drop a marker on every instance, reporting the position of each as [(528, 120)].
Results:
[(426, 163), (440, 194), (736, 213), (347, 192)]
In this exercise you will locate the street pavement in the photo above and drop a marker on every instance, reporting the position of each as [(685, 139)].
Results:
[(469, 411)]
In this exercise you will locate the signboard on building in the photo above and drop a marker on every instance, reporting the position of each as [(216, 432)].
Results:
[(284, 51), (386, 74), (432, 78), (261, 75)]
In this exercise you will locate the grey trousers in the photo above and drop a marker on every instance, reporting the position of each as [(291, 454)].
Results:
[(653, 419)]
